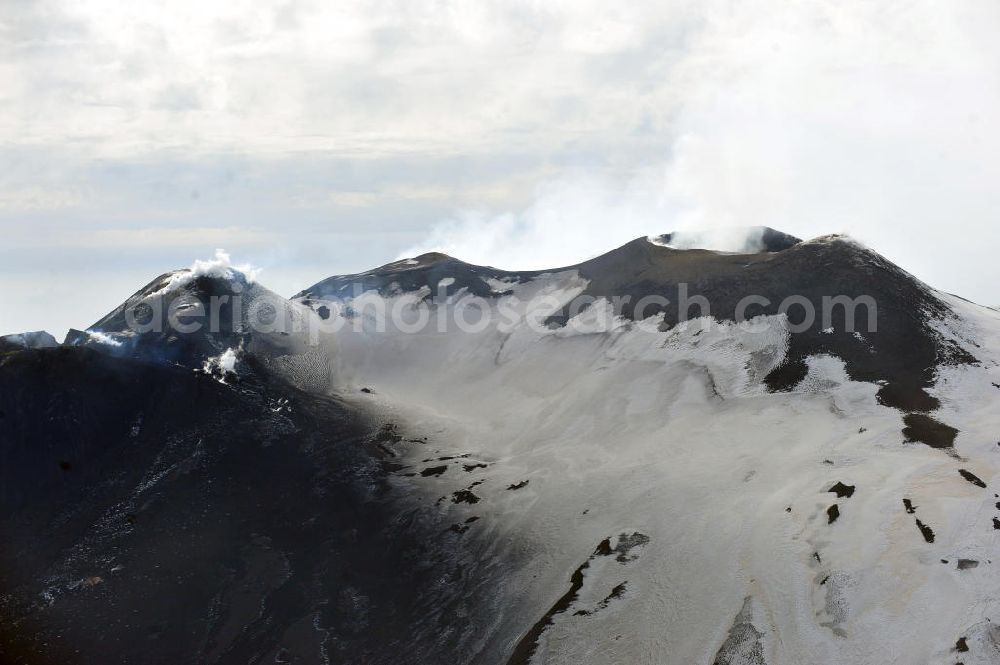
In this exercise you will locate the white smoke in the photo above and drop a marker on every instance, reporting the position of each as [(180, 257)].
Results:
[(810, 118), (104, 338), (219, 267), (745, 240), (227, 361), (572, 218), (585, 214), (222, 365)]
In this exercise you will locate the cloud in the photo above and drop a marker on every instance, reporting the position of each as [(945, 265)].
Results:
[(354, 78), (330, 137), (167, 237), (811, 118)]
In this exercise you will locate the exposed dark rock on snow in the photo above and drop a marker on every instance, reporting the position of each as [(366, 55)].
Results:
[(925, 531), (528, 644), (625, 547), (617, 592), (744, 644), (464, 526), (623, 551), (842, 491), (464, 496), (972, 478), (923, 428)]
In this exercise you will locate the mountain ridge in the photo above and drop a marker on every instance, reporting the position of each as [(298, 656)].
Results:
[(609, 485)]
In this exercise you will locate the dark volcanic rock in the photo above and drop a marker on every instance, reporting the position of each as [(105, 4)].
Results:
[(153, 515), (924, 429), (526, 647), (901, 352), (143, 328), (29, 340), (464, 496), (186, 319), (842, 491), (926, 531), (744, 644), (972, 478), (408, 275)]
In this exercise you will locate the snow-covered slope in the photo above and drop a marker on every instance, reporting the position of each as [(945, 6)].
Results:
[(664, 493)]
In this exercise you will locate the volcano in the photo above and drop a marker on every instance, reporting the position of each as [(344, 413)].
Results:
[(662, 454)]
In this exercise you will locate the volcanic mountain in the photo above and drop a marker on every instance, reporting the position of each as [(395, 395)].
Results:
[(661, 454)]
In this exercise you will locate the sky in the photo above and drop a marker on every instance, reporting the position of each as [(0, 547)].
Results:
[(318, 138)]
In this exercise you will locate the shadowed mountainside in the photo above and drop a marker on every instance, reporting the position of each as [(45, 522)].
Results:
[(152, 514)]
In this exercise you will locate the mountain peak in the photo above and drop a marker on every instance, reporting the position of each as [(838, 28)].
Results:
[(431, 257), (39, 339)]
